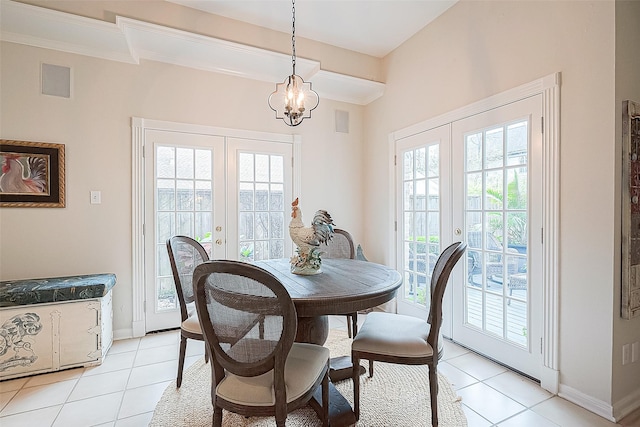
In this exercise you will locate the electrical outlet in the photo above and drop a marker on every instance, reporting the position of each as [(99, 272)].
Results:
[(626, 354), (635, 351)]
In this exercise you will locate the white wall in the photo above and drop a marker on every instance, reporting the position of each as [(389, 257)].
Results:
[(95, 127), (477, 49)]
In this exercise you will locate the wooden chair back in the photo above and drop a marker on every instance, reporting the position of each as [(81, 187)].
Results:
[(444, 266), (185, 254), (227, 294), (340, 246)]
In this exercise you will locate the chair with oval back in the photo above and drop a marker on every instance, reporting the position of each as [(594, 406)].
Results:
[(185, 254), (264, 373), (407, 340)]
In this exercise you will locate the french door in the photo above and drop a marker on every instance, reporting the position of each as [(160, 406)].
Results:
[(478, 180), (497, 210), (424, 213), (230, 194)]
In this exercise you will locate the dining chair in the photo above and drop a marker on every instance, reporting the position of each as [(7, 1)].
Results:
[(407, 340), (185, 254), (341, 246), (264, 373)]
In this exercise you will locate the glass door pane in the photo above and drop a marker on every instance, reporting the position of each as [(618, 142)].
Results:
[(184, 181), (260, 182), (421, 225), (496, 230), (261, 213), (423, 213)]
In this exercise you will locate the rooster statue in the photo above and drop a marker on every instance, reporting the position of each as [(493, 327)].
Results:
[(15, 180), (307, 260)]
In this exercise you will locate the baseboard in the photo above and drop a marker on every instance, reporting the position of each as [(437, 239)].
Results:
[(589, 403), (122, 334), (625, 406), (138, 328), (549, 379)]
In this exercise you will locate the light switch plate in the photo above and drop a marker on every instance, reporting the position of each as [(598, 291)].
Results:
[(96, 198), (626, 354)]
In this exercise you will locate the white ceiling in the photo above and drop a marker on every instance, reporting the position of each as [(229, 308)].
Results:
[(373, 27), (130, 41)]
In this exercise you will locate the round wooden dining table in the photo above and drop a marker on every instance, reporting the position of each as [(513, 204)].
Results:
[(344, 286)]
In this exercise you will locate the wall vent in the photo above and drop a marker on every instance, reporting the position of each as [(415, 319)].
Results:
[(342, 121), (56, 80)]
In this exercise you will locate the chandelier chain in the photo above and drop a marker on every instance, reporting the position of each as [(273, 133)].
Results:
[(293, 36)]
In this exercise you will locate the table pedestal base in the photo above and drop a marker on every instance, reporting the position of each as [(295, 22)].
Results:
[(340, 412), (314, 330), (341, 368)]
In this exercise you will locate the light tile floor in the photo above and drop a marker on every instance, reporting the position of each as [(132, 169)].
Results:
[(124, 390)]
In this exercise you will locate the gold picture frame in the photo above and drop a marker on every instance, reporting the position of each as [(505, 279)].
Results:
[(32, 174)]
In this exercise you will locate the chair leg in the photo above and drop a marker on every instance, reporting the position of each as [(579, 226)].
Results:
[(217, 417), (349, 332), (433, 389), (281, 416), (370, 368), (355, 359), (183, 350), (354, 321), (325, 400)]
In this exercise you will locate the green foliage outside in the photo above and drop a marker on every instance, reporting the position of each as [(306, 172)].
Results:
[(206, 235), (246, 252), (421, 246), (421, 296), (516, 221)]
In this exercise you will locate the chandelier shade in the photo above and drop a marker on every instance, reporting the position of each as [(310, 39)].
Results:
[(293, 100)]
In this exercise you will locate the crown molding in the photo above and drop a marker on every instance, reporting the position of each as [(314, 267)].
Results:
[(130, 40), (36, 26)]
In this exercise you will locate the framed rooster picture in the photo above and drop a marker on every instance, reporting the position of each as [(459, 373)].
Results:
[(32, 174)]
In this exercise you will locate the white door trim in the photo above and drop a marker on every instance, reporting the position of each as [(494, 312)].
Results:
[(549, 88), (139, 126)]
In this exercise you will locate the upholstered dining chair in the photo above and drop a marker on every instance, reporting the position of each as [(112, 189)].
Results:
[(263, 373), (341, 246), (395, 338), (185, 254)]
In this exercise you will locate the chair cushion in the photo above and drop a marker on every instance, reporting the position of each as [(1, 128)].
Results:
[(304, 364), (192, 324), (393, 335)]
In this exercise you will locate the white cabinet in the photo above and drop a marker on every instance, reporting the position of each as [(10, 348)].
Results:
[(39, 338)]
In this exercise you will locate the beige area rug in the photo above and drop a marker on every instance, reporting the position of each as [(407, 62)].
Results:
[(396, 396)]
